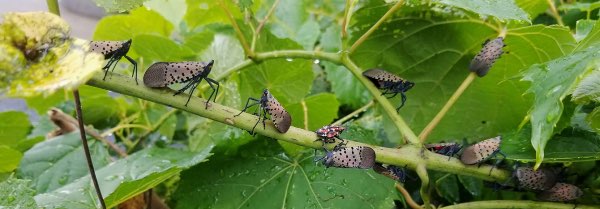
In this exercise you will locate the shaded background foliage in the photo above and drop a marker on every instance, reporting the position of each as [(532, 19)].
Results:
[(541, 97)]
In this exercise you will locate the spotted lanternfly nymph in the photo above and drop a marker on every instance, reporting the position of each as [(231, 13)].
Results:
[(113, 51), (542, 179), (267, 104), (162, 74), (561, 192), (448, 149), (349, 157), (481, 151), (328, 134), (391, 171), (389, 83), (490, 52)]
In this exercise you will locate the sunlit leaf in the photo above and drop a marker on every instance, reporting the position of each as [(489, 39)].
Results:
[(588, 90), (314, 111), (501, 9), (14, 128), (583, 28), (137, 22), (158, 48), (10, 159), (112, 6), (533, 7), (171, 10)]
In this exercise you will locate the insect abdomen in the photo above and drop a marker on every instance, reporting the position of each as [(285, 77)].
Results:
[(542, 179), (281, 118), (561, 192)]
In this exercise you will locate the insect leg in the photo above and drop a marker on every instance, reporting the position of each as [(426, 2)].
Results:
[(107, 66), (264, 114), (256, 101), (210, 82), (187, 86), (195, 84), (134, 73), (403, 101), (260, 114)]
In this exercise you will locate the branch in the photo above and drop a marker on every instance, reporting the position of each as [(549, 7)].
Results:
[(407, 197), (516, 204), (383, 102), (238, 31), (554, 12), (424, 191), (262, 24), (436, 120), (377, 24), (408, 155)]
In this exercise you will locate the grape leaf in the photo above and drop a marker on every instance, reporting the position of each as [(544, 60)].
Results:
[(10, 159), (15, 193), (120, 6), (501, 9), (14, 129)]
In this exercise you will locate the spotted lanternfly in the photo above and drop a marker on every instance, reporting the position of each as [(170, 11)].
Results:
[(490, 52), (268, 104), (391, 171), (113, 51), (162, 74), (481, 151), (561, 192), (389, 83), (350, 157), (542, 179), (328, 134), (448, 149)]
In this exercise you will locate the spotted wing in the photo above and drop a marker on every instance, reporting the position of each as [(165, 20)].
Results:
[(106, 48), (480, 151), (542, 179), (378, 77), (281, 118), (156, 75), (354, 157), (483, 61), (561, 192)]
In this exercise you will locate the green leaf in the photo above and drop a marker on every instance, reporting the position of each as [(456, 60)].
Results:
[(45, 164), (314, 111), (501, 9), (331, 39), (198, 42), (592, 38), (447, 187), (55, 60), (347, 89), (588, 89), (14, 128), (263, 177), (106, 110), (158, 48), (41, 106), (204, 12), (412, 48), (169, 9), (583, 28), (137, 22), (10, 159), (290, 20), (582, 6), (593, 119), (533, 7), (124, 178), (120, 6), (551, 83), (15, 193), (472, 184)]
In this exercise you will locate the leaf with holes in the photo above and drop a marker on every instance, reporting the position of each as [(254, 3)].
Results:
[(263, 177)]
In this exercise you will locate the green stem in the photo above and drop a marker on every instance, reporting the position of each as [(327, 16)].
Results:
[(516, 204), (554, 12), (238, 31), (383, 102), (407, 155), (436, 120), (53, 7), (424, 191), (387, 15), (354, 114), (347, 15), (262, 24)]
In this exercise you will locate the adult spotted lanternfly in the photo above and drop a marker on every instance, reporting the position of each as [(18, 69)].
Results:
[(561, 192), (490, 52), (328, 134), (481, 151), (268, 104), (114, 51), (448, 149), (389, 83), (162, 74), (391, 171), (349, 157), (542, 179)]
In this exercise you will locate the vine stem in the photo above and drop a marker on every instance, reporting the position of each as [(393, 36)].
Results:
[(354, 114), (515, 204), (424, 191), (436, 120), (408, 155), (555, 12), (347, 15), (238, 31), (387, 15), (86, 149), (383, 102), (409, 200), (54, 8), (262, 24)]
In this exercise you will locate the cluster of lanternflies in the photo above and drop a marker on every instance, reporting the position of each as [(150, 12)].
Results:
[(163, 74)]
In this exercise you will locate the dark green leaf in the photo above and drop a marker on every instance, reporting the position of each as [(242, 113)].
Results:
[(472, 184), (347, 89), (314, 111), (593, 120), (447, 187), (262, 177), (104, 110), (124, 178), (15, 193), (45, 164)]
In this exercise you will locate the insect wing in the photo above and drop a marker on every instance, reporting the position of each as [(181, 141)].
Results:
[(480, 151), (281, 118)]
